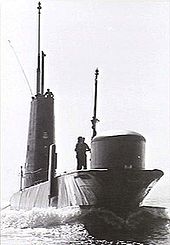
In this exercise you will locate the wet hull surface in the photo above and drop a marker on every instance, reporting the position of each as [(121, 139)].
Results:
[(118, 191)]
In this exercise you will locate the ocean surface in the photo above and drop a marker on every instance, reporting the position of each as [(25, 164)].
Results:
[(150, 225)]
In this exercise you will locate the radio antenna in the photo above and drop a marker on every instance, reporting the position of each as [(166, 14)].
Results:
[(22, 69)]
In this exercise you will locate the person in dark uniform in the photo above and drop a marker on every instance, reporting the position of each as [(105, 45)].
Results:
[(49, 93), (81, 148)]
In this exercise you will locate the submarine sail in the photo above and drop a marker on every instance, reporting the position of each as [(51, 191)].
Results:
[(40, 137), (41, 127)]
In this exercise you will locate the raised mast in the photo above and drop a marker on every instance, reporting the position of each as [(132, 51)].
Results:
[(38, 65), (42, 75), (94, 118)]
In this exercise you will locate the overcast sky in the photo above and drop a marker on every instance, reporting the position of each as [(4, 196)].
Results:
[(127, 40)]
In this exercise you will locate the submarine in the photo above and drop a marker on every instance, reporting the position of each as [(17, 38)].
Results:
[(116, 180)]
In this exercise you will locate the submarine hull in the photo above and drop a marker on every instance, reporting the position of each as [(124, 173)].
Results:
[(117, 191)]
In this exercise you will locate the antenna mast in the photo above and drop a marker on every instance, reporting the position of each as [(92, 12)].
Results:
[(94, 119), (38, 67)]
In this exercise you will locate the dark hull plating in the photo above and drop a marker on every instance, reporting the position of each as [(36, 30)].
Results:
[(120, 192)]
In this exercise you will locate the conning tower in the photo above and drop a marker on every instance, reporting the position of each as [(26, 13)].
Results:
[(41, 126)]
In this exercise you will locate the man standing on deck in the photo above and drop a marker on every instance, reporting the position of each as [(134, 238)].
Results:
[(81, 148)]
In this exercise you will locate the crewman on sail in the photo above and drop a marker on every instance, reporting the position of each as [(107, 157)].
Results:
[(49, 93), (81, 148)]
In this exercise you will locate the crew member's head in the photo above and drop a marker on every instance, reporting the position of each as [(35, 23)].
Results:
[(80, 138)]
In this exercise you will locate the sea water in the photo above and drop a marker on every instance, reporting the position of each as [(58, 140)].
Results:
[(148, 226)]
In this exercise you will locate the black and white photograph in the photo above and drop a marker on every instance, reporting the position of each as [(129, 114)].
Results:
[(85, 122)]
